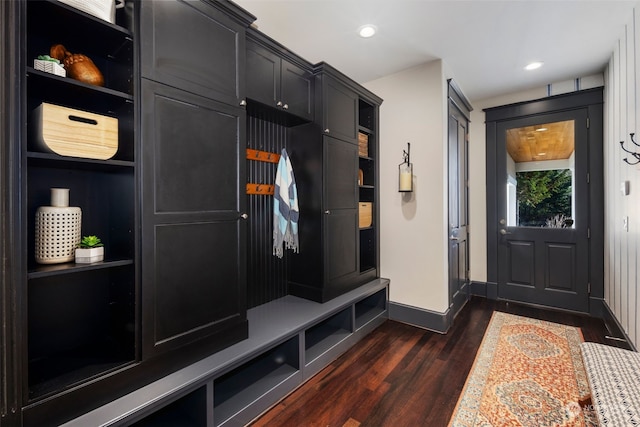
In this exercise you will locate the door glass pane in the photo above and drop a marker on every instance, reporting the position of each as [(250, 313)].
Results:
[(540, 175)]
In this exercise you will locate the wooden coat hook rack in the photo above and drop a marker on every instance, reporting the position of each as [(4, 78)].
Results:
[(265, 189), (261, 156)]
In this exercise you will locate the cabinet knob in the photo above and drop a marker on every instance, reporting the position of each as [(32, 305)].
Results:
[(244, 216), (285, 106), (328, 212), (243, 103), (279, 104), (326, 130)]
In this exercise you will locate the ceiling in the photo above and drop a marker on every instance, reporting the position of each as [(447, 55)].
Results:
[(548, 141), (485, 43)]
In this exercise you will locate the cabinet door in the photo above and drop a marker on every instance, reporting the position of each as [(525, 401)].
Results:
[(341, 251), (278, 83), (341, 174), (263, 75), (341, 215), (192, 45), (297, 90), (340, 111), (193, 264)]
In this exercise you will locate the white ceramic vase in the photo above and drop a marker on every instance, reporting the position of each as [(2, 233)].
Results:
[(58, 229)]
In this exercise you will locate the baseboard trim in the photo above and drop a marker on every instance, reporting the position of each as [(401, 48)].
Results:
[(427, 319), (614, 327), (478, 289)]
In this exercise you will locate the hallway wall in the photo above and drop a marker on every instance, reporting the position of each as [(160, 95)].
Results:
[(622, 117)]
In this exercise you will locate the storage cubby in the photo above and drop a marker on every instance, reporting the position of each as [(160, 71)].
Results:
[(241, 387), (104, 194), (370, 308), (109, 46), (81, 324), (327, 334), (188, 411)]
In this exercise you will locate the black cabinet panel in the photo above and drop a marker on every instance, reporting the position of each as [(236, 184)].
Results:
[(297, 90), (277, 82), (188, 295), (192, 141), (194, 274), (340, 110), (263, 75), (341, 250), (194, 46), (341, 174)]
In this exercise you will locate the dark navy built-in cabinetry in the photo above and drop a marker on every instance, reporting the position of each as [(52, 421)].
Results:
[(190, 319)]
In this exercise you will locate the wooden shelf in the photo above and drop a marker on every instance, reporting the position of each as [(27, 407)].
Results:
[(44, 270)]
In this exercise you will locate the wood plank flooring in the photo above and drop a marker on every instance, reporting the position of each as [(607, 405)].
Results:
[(400, 375)]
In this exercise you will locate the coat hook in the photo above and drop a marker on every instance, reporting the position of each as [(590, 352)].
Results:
[(635, 154)]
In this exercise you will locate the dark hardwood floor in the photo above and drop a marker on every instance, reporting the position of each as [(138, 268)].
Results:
[(401, 375)]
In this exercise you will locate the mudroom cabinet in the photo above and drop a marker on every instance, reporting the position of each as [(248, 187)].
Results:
[(340, 252), (189, 317), (275, 80)]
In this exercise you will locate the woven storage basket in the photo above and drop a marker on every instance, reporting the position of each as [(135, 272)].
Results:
[(58, 233)]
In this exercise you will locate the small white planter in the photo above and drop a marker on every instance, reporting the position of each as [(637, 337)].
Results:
[(87, 256)]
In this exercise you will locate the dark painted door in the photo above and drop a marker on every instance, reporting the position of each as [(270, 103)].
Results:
[(341, 215), (194, 46), (542, 210), (193, 266), (340, 111), (458, 212)]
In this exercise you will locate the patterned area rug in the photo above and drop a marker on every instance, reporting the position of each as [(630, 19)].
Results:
[(527, 372)]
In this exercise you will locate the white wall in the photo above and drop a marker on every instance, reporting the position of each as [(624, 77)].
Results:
[(622, 116), (414, 226)]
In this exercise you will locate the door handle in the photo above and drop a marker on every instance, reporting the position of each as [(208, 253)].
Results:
[(454, 238), (504, 232)]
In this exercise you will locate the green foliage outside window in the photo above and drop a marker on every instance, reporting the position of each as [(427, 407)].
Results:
[(543, 195)]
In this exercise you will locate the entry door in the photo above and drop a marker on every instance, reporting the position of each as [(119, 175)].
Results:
[(542, 210)]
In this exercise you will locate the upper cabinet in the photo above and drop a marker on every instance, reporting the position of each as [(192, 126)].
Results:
[(274, 80), (195, 46), (338, 105)]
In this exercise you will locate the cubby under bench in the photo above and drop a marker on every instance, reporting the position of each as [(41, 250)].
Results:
[(290, 340)]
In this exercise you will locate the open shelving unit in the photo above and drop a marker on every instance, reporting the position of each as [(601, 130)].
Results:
[(367, 123), (81, 318)]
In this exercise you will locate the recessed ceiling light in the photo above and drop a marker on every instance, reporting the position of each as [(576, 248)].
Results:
[(367, 31), (533, 66)]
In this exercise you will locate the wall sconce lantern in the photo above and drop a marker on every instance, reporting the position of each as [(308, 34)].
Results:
[(635, 154), (405, 172)]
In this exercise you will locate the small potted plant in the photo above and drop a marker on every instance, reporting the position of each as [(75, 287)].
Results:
[(90, 250)]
